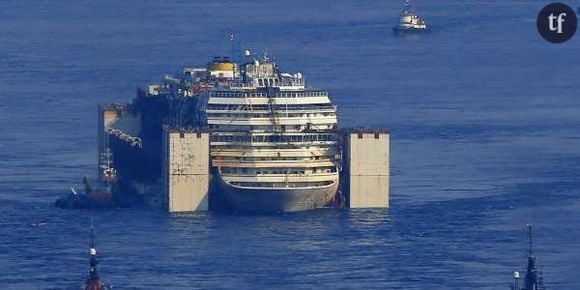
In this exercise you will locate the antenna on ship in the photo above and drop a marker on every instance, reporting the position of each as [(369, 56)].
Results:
[(530, 240), (532, 279), (93, 281), (236, 52), (232, 45)]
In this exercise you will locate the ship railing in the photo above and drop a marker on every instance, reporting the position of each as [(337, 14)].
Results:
[(308, 94), (294, 172), (282, 184), (269, 108), (281, 145), (275, 138), (264, 114), (279, 111), (329, 161), (291, 82)]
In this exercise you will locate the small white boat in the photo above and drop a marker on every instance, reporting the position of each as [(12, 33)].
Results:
[(409, 20)]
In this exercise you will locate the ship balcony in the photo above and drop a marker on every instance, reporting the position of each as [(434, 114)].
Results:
[(270, 107), (277, 115), (266, 101), (279, 111), (272, 153), (281, 178), (301, 94), (269, 130), (273, 163), (281, 144), (289, 121)]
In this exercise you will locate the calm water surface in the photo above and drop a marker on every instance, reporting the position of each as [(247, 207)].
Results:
[(484, 115)]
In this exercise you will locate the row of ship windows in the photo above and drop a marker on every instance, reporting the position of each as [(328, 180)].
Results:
[(278, 114), (274, 158), (280, 171), (302, 95), (274, 138), (267, 82), (281, 128), (287, 107), (279, 146), (229, 94), (314, 170), (264, 95), (279, 184)]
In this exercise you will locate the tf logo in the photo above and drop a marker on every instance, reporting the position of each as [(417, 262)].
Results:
[(557, 22)]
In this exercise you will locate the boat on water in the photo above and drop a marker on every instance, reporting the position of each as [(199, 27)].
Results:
[(531, 278), (93, 281), (409, 21), (273, 140), (94, 196)]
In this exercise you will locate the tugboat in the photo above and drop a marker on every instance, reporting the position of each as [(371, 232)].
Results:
[(532, 278), (409, 21), (94, 197), (93, 281), (99, 197)]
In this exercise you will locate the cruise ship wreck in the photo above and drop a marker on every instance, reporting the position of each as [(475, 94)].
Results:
[(243, 136)]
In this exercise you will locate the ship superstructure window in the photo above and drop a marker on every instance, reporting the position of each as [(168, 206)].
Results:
[(274, 138), (282, 107)]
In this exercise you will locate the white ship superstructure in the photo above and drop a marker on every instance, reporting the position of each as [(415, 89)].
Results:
[(274, 142), (409, 20)]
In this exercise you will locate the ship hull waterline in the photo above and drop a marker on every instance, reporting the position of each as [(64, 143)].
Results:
[(254, 199)]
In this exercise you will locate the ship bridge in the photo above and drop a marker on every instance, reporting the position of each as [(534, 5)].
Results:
[(265, 73)]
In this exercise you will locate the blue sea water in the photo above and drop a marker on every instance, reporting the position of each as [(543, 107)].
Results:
[(484, 116)]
